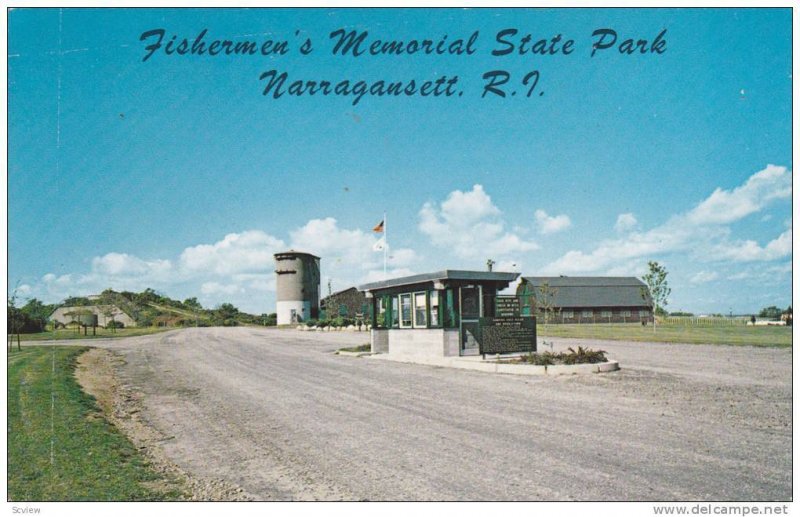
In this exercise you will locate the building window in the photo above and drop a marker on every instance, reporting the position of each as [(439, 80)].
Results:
[(451, 309), (586, 314), (395, 313), (605, 314), (380, 318), (420, 310), (405, 311), (626, 314), (434, 298), (567, 314), (644, 314)]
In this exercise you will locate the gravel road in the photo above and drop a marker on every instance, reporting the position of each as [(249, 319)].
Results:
[(278, 414)]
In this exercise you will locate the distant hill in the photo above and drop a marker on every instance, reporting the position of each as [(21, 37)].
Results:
[(150, 308)]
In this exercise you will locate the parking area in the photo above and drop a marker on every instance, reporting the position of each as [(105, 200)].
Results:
[(277, 413)]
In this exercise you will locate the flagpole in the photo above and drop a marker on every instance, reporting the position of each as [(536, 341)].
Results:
[(385, 244)]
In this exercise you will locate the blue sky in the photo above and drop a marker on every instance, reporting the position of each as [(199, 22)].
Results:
[(178, 174)]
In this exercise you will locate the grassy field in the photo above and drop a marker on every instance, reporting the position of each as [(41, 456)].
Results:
[(59, 447), (100, 333), (771, 336)]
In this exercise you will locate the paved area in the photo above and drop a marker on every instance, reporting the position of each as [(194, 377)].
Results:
[(278, 414)]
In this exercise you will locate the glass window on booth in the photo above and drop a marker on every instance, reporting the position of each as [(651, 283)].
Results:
[(395, 313), (405, 310), (434, 305), (384, 312), (420, 310), (451, 309)]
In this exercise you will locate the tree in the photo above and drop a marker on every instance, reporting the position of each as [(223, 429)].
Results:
[(226, 315), (771, 312), (76, 301), (36, 315), (657, 288), (110, 312), (192, 303), (14, 322), (546, 301)]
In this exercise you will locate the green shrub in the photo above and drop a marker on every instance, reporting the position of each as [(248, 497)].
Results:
[(341, 321), (366, 347), (571, 356), (583, 356)]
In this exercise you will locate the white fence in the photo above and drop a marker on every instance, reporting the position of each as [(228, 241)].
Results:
[(711, 321)]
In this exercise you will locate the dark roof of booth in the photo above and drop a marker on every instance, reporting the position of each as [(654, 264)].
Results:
[(446, 275)]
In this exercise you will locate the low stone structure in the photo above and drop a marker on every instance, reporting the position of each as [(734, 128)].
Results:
[(103, 313)]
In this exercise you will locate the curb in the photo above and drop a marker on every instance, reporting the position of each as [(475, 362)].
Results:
[(513, 369)]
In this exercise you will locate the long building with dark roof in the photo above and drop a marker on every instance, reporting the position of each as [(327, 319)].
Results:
[(587, 299)]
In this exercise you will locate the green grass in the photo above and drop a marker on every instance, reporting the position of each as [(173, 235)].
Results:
[(766, 336), (366, 347), (101, 333), (69, 452), (192, 315)]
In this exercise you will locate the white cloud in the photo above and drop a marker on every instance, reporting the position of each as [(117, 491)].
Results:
[(749, 250), (376, 275), (249, 251), (741, 275), (402, 257), (508, 265), (703, 277), (348, 257), (762, 273), (551, 224), (625, 222), (727, 206), (122, 264), (324, 238), (469, 225), (213, 288), (700, 232)]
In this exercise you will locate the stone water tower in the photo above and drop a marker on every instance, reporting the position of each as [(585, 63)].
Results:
[(297, 286)]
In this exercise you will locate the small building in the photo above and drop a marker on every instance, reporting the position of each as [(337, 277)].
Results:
[(586, 299), (347, 303), (103, 314), (437, 314), (297, 286)]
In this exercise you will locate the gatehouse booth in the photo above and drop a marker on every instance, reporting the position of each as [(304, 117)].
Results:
[(448, 313)]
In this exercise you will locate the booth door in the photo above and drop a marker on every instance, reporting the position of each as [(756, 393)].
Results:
[(470, 320)]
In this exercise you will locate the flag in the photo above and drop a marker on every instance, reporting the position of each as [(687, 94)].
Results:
[(379, 228), (380, 245)]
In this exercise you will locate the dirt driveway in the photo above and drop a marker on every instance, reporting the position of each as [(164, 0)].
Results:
[(277, 414)]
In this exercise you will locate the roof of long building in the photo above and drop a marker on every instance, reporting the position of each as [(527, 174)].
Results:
[(590, 291)]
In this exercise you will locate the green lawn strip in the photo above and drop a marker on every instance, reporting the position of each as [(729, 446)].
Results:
[(69, 452), (763, 336), (101, 333)]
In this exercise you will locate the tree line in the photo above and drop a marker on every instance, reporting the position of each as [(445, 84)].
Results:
[(146, 308)]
